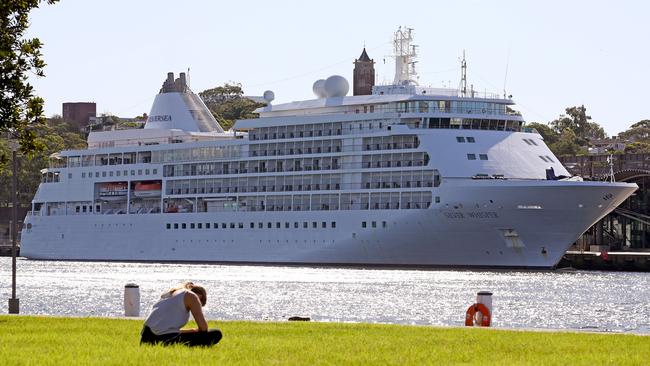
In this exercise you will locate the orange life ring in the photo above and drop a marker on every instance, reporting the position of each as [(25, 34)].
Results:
[(471, 313)]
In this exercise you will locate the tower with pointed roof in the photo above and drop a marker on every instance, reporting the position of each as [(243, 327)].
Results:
[(364, 75)]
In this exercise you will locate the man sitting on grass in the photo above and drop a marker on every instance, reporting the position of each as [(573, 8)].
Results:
[(172, 311)]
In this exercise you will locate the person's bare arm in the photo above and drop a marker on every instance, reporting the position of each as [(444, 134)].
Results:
[(193, 304)]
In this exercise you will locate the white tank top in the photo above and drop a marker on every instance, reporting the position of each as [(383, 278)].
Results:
[(169, 314)]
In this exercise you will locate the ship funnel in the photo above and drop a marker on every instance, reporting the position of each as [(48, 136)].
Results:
[(177, 107)]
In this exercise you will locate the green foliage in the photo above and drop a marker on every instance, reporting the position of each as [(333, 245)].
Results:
[(568, 144), (639, 132), (20, 109), (550, 136), (577, 120), (227, 104), (638, 147), (100, 341), (53, 136)]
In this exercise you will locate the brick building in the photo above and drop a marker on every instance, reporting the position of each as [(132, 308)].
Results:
[(80, 112)]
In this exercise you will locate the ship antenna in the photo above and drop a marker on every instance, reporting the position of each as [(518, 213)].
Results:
[(505, 78), (610, 161), (188, 78), (463, 76)]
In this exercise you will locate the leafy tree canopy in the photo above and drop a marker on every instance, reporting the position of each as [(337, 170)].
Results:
[(54, 135), (638, 147), (227, 104), (639, 132), (20, 108), (550, 135), (577, 120)]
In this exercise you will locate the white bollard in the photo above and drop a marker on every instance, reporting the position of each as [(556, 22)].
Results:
[(485, 298), (131, 300)]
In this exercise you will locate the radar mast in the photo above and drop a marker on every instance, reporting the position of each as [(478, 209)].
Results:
[(405, 54)]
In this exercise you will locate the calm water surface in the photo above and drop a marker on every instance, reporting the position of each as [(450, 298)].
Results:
[(600, 301)]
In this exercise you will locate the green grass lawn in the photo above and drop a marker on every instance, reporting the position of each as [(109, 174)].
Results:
[(28, 340)]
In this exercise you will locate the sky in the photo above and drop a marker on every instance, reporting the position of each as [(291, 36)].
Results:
[(549, 55)]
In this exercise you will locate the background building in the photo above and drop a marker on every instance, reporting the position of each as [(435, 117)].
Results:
[(79, 112), (363, 78)]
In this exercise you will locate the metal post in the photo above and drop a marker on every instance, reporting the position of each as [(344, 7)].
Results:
[(13, 302)]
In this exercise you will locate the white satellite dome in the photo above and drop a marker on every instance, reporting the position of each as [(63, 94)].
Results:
[(319, 88), (269, 95), (336, 86)]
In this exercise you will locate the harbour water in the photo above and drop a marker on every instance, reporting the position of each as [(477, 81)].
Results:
[(579, 300)]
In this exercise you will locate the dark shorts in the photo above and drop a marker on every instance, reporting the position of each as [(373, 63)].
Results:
[(209, 338)]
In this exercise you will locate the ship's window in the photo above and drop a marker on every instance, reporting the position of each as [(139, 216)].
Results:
[(146, 171), (215, 225), (169, 226), (232, 225), (286, 225), (83, 208), (314, 224), (155, 171), (126, 172), (269, 225), (224, 225), (323, 224), (96, 174), (470, 139), (543, 158), (549, 159), (110, 174), (383, 224), (363, 224), (333, 225), (83, 175), (437, 199), (132, 172), (192, 226), (295, 225), (175, 226), (277, 225), (305, 225), (118, 173), (77, 209), (240, 225), (252, 225), (460, 139), (207, 225), (199, 226), (139, 171), (471, 156), (483, 156), (374, 224), (183, 226), (260, 225), (103, 174), (97, 208)]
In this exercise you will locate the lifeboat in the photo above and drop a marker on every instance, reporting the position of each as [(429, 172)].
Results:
[(114, 191), (147, 189)]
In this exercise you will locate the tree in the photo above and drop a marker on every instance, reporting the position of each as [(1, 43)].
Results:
[(638, 132), (20, 108), (568, 144), (228, 104), (54, 135), (577, 120), (550, 136), (638, 147)]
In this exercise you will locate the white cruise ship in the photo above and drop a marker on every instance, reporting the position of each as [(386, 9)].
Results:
[(403, 175)]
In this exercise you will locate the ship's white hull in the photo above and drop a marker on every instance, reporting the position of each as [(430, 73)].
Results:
[(488, 223)]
